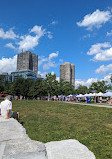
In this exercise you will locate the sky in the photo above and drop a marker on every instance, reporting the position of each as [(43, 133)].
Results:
[(58, 31)]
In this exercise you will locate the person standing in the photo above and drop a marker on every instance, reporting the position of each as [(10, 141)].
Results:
[(100, 99)]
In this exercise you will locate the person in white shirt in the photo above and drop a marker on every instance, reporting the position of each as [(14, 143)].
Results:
[(6, 108)]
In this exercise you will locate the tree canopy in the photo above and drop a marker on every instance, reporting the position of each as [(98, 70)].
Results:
[(99, 86), (82, 90), (38, 88), (49, 85)]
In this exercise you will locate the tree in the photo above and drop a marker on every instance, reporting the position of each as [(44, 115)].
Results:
[(1, 84), (50, 84), (65, 88), (99, 86), (28, 88), (21, 87), (82, 89), (36, 90), (7, 86), (1, 88)]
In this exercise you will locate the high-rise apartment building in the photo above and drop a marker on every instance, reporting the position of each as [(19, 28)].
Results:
[(27, 61), (67, 72)]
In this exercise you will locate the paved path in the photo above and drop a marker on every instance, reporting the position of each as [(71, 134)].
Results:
[(94, 105)]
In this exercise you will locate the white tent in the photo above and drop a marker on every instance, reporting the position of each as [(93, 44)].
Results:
[(108, 94), (94, 94), (86, 95), (80, 96), (90, 95), (70, 95), (100, 94)]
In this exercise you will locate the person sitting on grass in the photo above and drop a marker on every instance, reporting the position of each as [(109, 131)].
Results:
[(6, 109)]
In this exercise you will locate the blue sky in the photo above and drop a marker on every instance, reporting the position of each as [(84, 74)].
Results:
[(58, 31)]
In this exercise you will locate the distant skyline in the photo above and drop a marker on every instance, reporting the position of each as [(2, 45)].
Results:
[(79, 32)]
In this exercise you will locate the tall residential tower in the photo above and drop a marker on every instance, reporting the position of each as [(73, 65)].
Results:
[(27, 61), (67, 72)]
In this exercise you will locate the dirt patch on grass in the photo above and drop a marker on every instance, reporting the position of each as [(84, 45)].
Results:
[(109, 126)]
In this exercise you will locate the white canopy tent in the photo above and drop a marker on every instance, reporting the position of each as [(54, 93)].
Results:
[(94, 94), (90, 95), (80, 96), (69, 96), (100, 94), (86, 95), (108, 94)]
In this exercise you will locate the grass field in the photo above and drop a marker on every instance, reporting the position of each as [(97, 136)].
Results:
[(51, 121)]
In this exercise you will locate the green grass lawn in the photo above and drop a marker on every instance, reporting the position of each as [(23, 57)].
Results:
[(52, 121)]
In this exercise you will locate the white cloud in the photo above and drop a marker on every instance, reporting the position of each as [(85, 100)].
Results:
[(50, 36), (53, 55), (95, 20), (8, 34), (103, 69), (10, 45), (43, 75), (42, 59), (109, 33), (38, 31), (49, 64), (47, 61), (58, 79), (107, 78), (97, 48), (41, 32), (84, 82), (8, 64), (52, 73), (86, 36), (101, 52), (28, 42), (89, 81), (54, 22), (31, 41)]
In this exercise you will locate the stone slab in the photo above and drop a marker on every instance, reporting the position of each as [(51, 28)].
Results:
[(15, 143), (68, 149)]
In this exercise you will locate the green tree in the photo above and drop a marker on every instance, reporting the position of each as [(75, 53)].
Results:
[(7, 86), (21, 87), (1, 88), (50, 84), (99, 86), (65, 88), (1, 84), (82, 89), (36, 90), (111, 82)]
